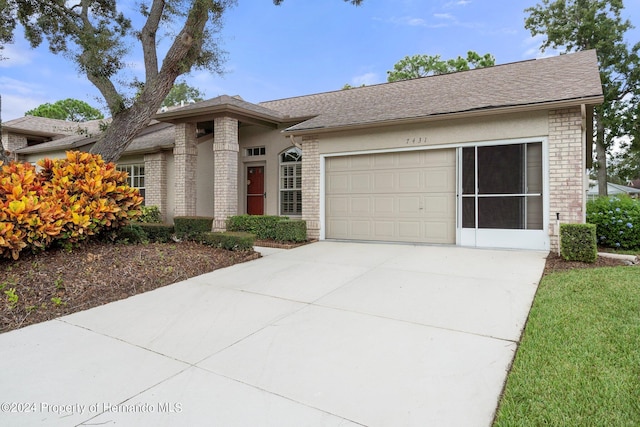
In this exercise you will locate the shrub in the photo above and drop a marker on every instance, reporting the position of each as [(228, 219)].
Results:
[(67, 201), (230, 240), (150, 215), (131, 234), (191, 227), (578, 242), (160, 233), (94, 193), (263, 226), (291, 231), (617, 220)]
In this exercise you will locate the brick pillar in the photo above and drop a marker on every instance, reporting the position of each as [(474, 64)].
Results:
[(566, 169), (311, 186), (225, 171), (155, 177), (184, 153), (12, 142)]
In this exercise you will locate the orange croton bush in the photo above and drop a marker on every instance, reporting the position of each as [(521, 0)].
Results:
[(65, 200)]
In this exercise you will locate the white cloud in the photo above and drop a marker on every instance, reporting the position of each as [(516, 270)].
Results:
[(532, 48), (15, 56), (365, 79), (446, 16), (14, 106), (458, 3)]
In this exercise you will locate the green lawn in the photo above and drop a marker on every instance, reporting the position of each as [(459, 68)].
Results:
[(579, 360)]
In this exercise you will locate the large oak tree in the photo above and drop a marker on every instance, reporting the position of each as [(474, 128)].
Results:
[(574, 25), (96, 36)]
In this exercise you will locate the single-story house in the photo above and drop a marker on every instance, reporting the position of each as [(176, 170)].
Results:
[(487, 157), (612, 190)]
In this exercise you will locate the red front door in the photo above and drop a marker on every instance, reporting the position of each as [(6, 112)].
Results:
[(255, 190)]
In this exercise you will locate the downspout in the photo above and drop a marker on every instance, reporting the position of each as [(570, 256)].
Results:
[(294, 143)]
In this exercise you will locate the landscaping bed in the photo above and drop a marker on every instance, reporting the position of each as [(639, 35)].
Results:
[(54, 283)]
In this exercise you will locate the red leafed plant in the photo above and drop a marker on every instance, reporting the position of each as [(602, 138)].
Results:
[(67, 199)]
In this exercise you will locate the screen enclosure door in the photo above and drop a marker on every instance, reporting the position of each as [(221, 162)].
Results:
[(502, 196)]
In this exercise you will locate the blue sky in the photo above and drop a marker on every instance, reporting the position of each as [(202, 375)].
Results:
[(303, 47)]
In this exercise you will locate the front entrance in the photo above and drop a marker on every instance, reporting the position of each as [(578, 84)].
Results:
[(255, 190)]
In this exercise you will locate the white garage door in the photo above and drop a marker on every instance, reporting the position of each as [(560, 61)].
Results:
[(406, 196)]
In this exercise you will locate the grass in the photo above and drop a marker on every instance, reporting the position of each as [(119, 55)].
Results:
[(579, 360)]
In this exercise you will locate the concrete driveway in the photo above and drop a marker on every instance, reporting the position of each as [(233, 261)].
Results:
[(328, 334)]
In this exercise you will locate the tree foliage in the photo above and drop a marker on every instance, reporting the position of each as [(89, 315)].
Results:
[(69, 109), (412, 67), (96, 35), (182, 92), (574, 25)]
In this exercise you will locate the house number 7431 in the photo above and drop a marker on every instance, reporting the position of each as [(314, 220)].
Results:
[(418, 140)]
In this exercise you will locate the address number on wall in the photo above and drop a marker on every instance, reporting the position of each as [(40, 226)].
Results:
[(416, 140)]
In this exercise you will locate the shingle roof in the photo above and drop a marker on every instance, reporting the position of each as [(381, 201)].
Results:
[(223, 102), (65, 143), (32, 125), (156, 136), (571, 77)]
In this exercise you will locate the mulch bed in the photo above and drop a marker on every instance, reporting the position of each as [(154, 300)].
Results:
[(280, 245), (556, 263), (58, 282)]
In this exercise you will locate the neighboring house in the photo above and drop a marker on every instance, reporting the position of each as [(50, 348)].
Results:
[(612, 190), (484, 158)]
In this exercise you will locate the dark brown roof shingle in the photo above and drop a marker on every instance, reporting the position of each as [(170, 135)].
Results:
[(564, 78)]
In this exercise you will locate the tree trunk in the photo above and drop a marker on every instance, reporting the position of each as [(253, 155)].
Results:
[(121, 131), (601, 154)]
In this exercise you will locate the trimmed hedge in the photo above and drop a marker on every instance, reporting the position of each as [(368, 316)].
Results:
[(263, 226), (291, 231), (578, 242), (191, 227), (232, 241), (160, 233)]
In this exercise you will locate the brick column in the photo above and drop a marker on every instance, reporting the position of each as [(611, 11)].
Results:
[(12, 142), (184, 154), (311, 186), (155, 177), (225, 171), (566, 169)]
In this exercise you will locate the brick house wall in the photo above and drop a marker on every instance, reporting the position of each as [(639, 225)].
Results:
[(185, 165), (311, 186), (225, 169), (567, 168), (155, 169)]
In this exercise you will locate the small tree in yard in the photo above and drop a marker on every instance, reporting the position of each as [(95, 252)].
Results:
[(96, 36)]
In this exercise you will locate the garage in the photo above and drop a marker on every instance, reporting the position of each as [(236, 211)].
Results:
[(405, 196)]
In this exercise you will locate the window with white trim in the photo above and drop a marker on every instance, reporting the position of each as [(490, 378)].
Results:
[(135, 176), (291, 182), (255, 151)]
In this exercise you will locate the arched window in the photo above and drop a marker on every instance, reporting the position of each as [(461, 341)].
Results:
[(291, 182)]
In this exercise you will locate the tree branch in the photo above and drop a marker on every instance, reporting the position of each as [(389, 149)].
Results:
[(148, 39)]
